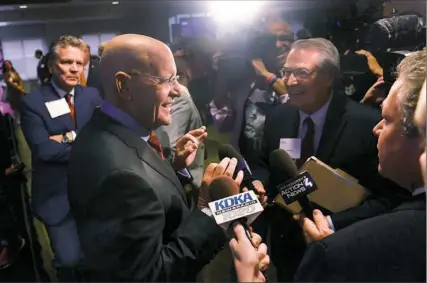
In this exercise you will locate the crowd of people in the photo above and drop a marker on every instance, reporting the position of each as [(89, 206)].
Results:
[(118, 161)]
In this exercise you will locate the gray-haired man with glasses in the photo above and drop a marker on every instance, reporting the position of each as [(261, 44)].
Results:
[(320, 121)]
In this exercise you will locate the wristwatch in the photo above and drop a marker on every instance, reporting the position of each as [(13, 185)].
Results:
[(65, 139)]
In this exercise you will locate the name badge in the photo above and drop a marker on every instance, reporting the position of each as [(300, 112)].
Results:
[(57, 108), (292, 147)]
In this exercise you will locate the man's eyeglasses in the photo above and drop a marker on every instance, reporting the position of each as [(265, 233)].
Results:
[(158, 80), (300, 74)]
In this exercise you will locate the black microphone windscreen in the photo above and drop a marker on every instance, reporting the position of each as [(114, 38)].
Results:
[(227, 150), (222, 187), (282, 163)]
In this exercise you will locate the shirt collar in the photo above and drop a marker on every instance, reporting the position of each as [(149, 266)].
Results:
[(124, 118), (62, 93), (319, 116), (418, 191)]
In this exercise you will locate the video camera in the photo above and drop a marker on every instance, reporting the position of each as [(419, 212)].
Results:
[(389, 40)]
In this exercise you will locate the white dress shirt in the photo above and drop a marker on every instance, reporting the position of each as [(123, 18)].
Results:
[(62, 93), (318, 118)]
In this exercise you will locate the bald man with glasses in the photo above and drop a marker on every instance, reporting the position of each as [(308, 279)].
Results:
[(132, 216)]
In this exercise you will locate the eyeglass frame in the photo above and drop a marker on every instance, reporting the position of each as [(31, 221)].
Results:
[(307, 75), (172, 80)]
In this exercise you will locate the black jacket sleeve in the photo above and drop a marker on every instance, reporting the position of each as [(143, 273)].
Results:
[(130, 240)]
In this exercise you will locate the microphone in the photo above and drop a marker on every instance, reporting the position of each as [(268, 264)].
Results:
[(228, 205), (294, 186), (229, 151)]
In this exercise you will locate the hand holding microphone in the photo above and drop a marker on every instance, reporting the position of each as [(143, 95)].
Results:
[(295, 186), (228, 151), (250, 263), (314, 230), (226, 167), (229, 207)]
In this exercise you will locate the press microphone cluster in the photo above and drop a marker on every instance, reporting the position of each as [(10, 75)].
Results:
[(229, 151), (293, 186)]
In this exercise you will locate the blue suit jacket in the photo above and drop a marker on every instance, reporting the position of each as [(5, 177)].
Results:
[(50, 158)]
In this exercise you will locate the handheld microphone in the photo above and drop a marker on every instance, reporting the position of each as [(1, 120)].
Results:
[(294, 186), (229, 151), (229, 205)]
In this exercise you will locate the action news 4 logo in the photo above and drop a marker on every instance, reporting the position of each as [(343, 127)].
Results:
[(293, 189)]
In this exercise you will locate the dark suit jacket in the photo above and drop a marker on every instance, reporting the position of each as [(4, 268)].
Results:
[(93, 79), (50, 158), (131, 212), (390, 247), (43, 73)]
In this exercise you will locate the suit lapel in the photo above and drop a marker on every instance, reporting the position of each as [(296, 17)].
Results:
[(144, 151), (334, 124), (50, 94)]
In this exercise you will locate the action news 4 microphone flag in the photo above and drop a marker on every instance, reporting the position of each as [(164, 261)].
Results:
[(243, 205), (294, 189)]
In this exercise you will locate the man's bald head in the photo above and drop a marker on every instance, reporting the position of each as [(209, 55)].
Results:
[(101, 49), (128, 52), (138, 75)]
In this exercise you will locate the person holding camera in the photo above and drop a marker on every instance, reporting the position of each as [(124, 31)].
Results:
[(240, 104)]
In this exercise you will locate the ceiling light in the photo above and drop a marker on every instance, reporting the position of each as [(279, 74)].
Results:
[(115, 2), (23, 6)]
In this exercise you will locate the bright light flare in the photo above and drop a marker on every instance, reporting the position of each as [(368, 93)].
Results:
[(233, 11)]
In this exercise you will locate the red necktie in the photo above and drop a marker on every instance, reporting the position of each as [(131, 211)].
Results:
[(71, 105), (154, 142), (307, 143)]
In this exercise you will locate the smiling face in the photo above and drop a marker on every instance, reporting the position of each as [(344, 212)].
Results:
[(284, 36), (150, 98), (308, 86)]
